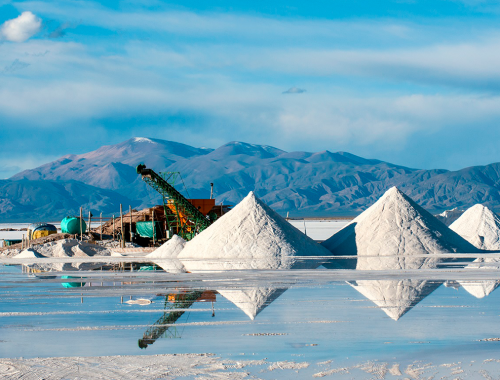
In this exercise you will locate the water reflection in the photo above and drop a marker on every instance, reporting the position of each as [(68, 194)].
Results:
[(481, 289), (176, 305), (252, 301), (395, 297)]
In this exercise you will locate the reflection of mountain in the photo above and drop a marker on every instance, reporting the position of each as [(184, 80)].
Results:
[(395, 297)]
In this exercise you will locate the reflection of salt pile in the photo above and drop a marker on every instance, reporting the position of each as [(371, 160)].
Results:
[(395, 297), (252, 301), (392, 234), (251, 236), (166, 256), (481, 227)]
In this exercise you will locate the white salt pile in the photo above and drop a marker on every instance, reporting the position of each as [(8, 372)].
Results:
[(62, 249), (10, 252), (449, 216), (481, 227), (251, 236), (391, 235), (395, 226), (169, 252), (170, 249), (29, 253), (70, 248)]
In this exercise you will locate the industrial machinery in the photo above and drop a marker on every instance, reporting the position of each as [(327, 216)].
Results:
[(38, 230), (184, 217)]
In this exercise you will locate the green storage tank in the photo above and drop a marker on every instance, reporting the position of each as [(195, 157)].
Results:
[(71, 225)]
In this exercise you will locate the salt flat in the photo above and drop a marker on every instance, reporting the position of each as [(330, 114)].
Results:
[(319, 327), (249, 323)]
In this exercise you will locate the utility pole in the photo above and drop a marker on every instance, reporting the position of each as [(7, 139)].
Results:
[(122, 241), (81, 224), (153, 217), (130, 211), (90, 221)]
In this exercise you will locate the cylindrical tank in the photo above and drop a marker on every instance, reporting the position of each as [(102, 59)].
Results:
[(38, 230), (71, 225)]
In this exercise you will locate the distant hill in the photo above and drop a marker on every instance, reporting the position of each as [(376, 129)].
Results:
[(302, 183), (38, 200)]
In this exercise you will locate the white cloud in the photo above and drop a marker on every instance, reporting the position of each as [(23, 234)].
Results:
[(21, 28)]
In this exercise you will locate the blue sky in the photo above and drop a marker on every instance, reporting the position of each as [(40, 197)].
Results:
[(412, 82)]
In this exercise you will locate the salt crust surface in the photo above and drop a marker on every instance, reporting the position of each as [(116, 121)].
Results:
[(250, 236), (480, 226), (169, 251), (389, 235), (209, 366)]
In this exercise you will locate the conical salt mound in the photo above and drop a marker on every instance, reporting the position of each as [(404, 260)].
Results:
[(396, 226), (252, 301), (481, 227), (394, 234), (166, 256), (29, 253), (251, 236), (395, 297), (449, 216)]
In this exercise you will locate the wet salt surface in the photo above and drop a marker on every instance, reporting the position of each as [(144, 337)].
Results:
[(307, 323), (326, 328)]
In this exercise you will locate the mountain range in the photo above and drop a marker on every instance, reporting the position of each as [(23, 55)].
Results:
[(301, 183)]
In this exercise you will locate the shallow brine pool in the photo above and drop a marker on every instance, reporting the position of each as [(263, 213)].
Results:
[(250, 324)]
